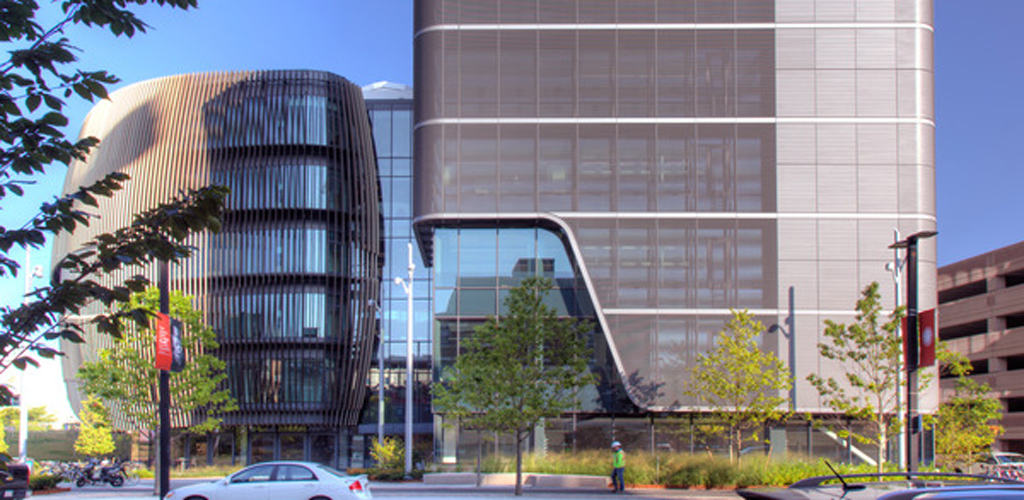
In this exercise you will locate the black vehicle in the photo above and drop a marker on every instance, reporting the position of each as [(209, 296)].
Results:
[(95, 472), (893, 486), (14, 481)]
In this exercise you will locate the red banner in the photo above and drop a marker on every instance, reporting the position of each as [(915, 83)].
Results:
[(164, 349), (929, 335)]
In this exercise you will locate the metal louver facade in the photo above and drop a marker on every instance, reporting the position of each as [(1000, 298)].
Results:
[(289, 282), (679, 159)]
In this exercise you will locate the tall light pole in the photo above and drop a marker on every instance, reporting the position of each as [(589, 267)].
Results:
[(164, 391), (407, 287), (37, 272), (910, 243), (896, 268)]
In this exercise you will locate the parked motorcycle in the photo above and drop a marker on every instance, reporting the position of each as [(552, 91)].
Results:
[(95, 472)]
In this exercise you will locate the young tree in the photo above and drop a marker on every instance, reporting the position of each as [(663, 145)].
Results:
[(966, 423), (95, 438), (35, 81), (126, 378), (389, 454), (740, 383), (39, 418), (517, 370), (869, 352)]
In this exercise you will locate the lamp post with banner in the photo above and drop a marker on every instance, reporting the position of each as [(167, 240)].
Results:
[(911, 342)]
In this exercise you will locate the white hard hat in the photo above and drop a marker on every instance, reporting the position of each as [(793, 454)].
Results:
[(616, 444)]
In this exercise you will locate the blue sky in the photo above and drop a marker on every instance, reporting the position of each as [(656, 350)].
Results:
[(978, 73), (978, 76)]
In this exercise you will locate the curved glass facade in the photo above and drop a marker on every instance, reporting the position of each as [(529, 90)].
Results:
[(290, 282)]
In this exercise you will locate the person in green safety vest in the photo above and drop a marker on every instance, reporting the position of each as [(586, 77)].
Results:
[(618, 468)]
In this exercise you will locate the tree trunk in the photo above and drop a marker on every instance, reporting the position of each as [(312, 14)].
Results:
[(734, 445), (519, 464), (882, 440), (479, 456)]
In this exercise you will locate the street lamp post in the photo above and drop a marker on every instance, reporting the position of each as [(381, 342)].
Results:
[(910, 243), (896, 268), (164, 391), (407, 287)]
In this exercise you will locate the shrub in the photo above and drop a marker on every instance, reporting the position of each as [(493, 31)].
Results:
[(389, 454), (41, 482), (686, 476), (720, 475), (674, 470)]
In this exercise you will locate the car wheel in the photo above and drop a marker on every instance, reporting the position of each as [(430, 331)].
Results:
[(317, 498), (195, 498)]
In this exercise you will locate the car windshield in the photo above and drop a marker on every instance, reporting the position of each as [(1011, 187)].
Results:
[(1010, 459), (332, 471)]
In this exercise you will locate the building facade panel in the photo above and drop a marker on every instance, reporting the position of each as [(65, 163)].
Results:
[(699, 156)]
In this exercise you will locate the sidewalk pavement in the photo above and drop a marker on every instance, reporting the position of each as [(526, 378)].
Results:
[(410, 490)]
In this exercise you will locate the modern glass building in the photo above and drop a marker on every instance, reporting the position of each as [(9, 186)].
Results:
[(391, 106), (667, 161), (290, 282)]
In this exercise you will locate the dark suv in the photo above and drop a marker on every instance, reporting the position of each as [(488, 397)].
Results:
[(14, 481)]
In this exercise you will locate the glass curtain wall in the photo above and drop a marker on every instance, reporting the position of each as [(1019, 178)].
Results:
[(390, 106)]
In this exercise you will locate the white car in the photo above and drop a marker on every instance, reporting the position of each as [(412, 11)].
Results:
[(279, 481)]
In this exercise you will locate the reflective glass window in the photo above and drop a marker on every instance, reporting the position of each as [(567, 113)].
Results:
[(400, 199), (446, 258), (381, 119), (550, 248), (477, 252), (293, 472), (402, 133), (517, 256), (258, 473)]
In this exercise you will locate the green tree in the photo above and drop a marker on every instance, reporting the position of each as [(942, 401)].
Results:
[(517, 369), (125, 376), (95, 437), (967, 422), (38, 76), (869, 353), (739, 383), (39, 418)]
